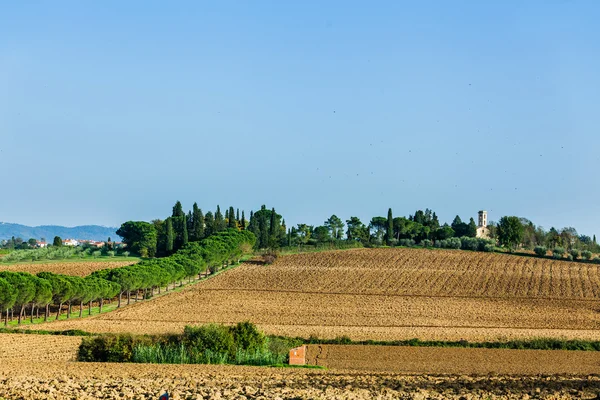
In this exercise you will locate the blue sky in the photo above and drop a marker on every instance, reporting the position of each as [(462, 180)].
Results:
[(111, 111)]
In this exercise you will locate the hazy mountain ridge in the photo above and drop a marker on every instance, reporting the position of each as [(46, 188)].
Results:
[(85, 232)]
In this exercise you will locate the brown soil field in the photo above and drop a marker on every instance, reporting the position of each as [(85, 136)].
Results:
[(456, 361), (38, 347), (75, 268), (382, 294), (72, 380)]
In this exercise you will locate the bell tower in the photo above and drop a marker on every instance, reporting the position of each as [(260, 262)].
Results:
[(482, 219)]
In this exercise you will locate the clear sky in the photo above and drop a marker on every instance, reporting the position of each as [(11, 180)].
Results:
[(113, 110)]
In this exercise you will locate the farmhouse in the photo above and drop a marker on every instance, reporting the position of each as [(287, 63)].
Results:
[(70, 242), (482, 229)]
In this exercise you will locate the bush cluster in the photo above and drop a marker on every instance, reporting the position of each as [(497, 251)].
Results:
[(209, 344)]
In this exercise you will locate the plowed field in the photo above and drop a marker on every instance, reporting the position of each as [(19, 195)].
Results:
[(69, 380), (383, 294), (75, 268)]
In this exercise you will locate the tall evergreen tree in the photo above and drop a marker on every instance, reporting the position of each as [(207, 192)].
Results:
[(263, 231), (232, 223), (184, 235), (197, 231), (220, 224), (472, 228), (273, 230), (595, 239), (170, 236), (178, 210), (237, 215), (243, 220), (209, 224), (389, 231), (435, 223)]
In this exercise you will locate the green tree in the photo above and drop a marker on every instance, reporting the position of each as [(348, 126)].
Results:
[(170, 236), (510, 232), (304, 233), (220, 224), (243, 221), (24, 287), (185, 237), (389, 231), (321, 234), (209, 224), (8, 296), (459, 227), (178, 210), (197, 233), (56, 242), (232, 222), (140, 237), (335, 226), (378, 224), (356, 231), (472, 228)]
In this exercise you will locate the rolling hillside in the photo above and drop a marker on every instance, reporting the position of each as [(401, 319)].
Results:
[(382, 294)]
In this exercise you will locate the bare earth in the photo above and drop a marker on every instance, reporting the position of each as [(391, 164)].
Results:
[(74, 268), (382, 294)]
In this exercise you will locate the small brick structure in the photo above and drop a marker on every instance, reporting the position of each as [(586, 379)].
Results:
[(298, 356)]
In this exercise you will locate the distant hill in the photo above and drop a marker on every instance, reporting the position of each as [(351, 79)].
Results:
[(85, 232)]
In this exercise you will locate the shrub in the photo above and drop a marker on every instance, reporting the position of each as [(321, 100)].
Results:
[(110, 253), (213, 337), (426, 243), (126, 254), (569, 257), (489, 248), (587, 255), (247, 337), (469, 243), (575, 254), (406, 242), (540, 250), (454, 243), (558, 252)]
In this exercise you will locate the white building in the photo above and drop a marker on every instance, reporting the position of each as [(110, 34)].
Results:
[(70, 242), (482, 229)]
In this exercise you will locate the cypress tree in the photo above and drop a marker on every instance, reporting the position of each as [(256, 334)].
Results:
[(185, 232), (232, 222), (263, 231), (472, 228), (595, 239), (178, 210), (170, 236), (237, 215), (197, 231), (243, 221), (227, 215), (389, 234), (209, 224), (273, 229), (219, 221)]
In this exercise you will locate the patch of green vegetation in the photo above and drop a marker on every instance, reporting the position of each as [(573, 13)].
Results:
[(241, 344)]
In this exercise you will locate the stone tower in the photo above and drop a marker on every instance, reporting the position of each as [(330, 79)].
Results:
[(482, 219), (482, 229)]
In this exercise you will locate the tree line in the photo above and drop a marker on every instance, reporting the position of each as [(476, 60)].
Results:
[(20, 290), (163, 237)]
